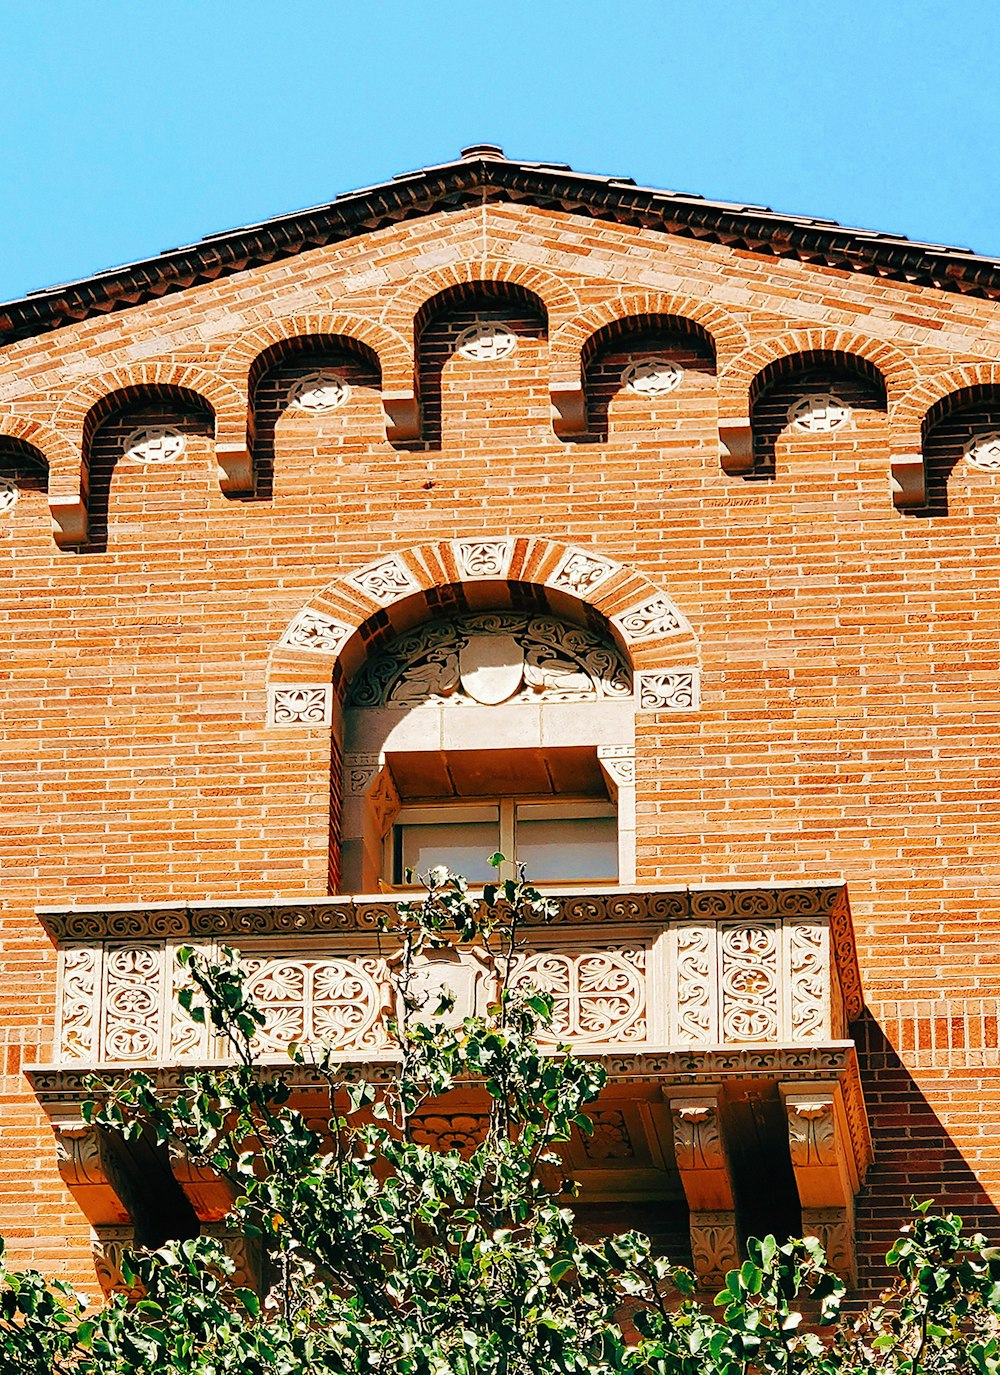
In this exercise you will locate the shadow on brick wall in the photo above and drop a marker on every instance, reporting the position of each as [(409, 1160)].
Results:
[(974, 428), (915, 1156)]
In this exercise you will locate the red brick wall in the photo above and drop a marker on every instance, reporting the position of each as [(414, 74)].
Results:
[(849, 650)]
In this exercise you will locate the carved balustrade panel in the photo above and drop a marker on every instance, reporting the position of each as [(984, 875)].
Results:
[(600, 997), (625, 969)]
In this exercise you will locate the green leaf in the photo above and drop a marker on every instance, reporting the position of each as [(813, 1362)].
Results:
[(250, 1301)]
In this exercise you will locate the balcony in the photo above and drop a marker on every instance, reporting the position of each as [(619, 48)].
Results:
[(720, 1013)]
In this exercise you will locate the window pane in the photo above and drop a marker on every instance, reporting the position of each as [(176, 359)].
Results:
[(463, 847), (567, 849)]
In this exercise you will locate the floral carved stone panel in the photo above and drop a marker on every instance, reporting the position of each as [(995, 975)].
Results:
[(303, 705), (634, 969), (453, 661), (78, 1021), (676, 689), (316, 632), (386, 581), (749, 982), (339, 1002), (482, 558), (581, 572), (650, 619), (133, 997), (599, 995)]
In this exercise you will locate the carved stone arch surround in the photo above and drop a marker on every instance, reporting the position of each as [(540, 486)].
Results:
[(331, 636), (333, 630)]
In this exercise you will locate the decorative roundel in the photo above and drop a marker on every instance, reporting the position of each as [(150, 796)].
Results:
[(819, 412), (8, 495), (319, 391), (154, 444), (652, 377), (983, 451), (486, 341)]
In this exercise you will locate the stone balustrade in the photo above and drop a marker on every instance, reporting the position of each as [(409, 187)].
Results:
[(628, 969)]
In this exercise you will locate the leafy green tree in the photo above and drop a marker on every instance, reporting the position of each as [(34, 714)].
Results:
[(384, 1254)]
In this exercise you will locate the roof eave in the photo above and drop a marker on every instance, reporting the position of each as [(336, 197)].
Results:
[(754, 228)]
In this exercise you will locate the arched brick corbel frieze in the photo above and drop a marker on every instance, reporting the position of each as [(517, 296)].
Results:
[(756, 367), (384, 346), (53, 450), (919, 409), (86, 406), (407, 311), (574, 342), (326, 641)]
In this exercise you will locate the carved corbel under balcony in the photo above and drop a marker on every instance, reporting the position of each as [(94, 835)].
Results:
[(117, 1180), (109, 1243), (209, 1194), (826, 1170), (736, 444), (106, 1246), (703, 1164), (88, 1171)]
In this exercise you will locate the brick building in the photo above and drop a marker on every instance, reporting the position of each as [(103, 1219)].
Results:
[(649, 538)]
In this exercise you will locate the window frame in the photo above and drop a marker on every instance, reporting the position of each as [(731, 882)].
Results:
[(505, 810)]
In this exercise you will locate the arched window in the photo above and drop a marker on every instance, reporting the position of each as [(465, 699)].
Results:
[(483, 732)]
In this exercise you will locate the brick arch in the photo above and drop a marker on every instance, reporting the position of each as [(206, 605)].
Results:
[(405, 310), (329, 635), (760, 365), (757, 367), (62, 462), (248, 355), (922, 407), (379, 343), (578, 338), (90, 403), (83, 409), (49, 447)]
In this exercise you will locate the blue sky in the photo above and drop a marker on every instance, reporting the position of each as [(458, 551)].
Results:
[(130, 127)]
